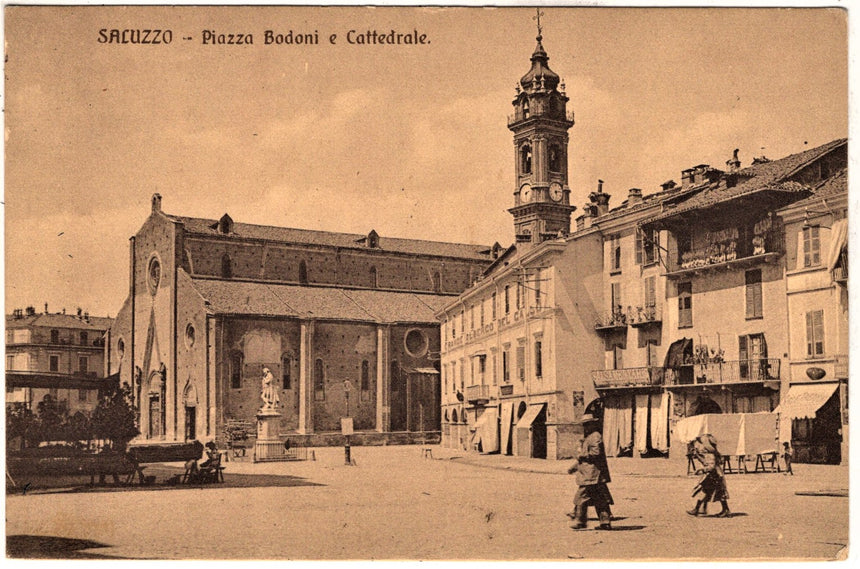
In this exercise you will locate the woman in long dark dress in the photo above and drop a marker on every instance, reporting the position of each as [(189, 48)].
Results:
[(713, 485)]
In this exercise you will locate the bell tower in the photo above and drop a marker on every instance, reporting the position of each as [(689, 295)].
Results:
[(540, 123)]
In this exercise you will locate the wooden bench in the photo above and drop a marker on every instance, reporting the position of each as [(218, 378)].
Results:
[(236, 433)]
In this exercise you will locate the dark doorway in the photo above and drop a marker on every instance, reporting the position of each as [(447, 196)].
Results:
[(818, 441), (703, 405), (190, 423), (155, 416), (539, 435)]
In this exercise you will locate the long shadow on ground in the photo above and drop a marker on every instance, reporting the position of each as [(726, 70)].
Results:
[(51, 547), (166, 478)]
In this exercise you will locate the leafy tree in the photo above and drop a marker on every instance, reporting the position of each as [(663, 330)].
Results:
[(21, 422), (78, 428), (52, 417), (114, 418)]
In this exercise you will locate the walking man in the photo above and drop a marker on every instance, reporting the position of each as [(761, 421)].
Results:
[(592, 476)]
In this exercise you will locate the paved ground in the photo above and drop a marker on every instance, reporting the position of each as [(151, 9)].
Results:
[(396, 504)]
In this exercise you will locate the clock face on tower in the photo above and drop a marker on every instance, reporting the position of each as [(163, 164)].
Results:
[(555, 191), (525, 193)]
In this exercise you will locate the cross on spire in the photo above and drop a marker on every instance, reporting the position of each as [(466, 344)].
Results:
[(536, 17)]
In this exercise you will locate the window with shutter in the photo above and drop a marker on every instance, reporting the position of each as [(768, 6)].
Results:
[(521, 363), (618, 354), (685, 305), (815, 333), (639, 245), (651, 291), (753, 294), (811, 246), (617, 306)]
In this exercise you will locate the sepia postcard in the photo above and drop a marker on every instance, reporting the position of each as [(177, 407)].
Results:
[(427, 283)]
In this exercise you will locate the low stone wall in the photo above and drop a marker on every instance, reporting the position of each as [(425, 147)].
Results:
[(96, 464), (364, 439)]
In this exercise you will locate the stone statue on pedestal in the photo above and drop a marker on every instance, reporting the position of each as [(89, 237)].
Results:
[(269, 394)]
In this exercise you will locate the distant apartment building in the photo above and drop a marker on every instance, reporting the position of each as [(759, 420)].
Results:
[(56, 354)]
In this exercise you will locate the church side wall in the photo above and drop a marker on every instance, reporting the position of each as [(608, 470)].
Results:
[(342, 348), (424, 401), (257, 343)]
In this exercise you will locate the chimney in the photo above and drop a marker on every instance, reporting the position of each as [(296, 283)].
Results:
[(156, 202), (46, 308), (687, 178), (734, 164), (80, 311), (760, 160), (31, 311), (64, 310), (668, 185), (599, 200), (634, 196), (87, 316)]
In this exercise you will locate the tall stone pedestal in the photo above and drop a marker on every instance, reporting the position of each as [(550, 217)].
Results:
[(269, 445)]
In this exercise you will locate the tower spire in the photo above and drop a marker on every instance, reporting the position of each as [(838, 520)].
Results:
[(536, 17)]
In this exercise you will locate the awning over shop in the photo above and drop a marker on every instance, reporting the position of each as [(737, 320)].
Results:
[(490, 430), (506, 423), (802, 401), (838, 240), (675, 353), (529, 416)]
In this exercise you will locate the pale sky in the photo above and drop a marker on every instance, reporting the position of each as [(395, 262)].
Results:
[(409, 140)]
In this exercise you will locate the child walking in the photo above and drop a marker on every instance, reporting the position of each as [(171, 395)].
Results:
[(786, 457)]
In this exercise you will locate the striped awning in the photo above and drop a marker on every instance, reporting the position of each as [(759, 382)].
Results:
[(803, 401)]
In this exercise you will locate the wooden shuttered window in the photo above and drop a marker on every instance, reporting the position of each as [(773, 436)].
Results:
[(753, 294), (814, 333)]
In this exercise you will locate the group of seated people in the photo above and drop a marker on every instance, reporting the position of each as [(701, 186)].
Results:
[(206, 471)]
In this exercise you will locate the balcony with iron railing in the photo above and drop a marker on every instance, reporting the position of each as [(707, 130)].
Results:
[(757, 370), (477, 393), (766, 247), (628, 377), (644, 315), (568, 116), (612, 320)]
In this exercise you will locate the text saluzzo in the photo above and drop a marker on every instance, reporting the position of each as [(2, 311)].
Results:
[(212, 37)]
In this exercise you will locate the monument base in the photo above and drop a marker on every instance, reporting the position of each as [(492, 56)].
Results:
[(269, 445)]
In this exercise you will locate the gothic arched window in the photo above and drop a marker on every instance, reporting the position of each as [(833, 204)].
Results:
[(236, 370), (226, 266), (287, 371), (374, 278), (437, 282), (364, 383), (319, 380), (303, 273), (526, 159)]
